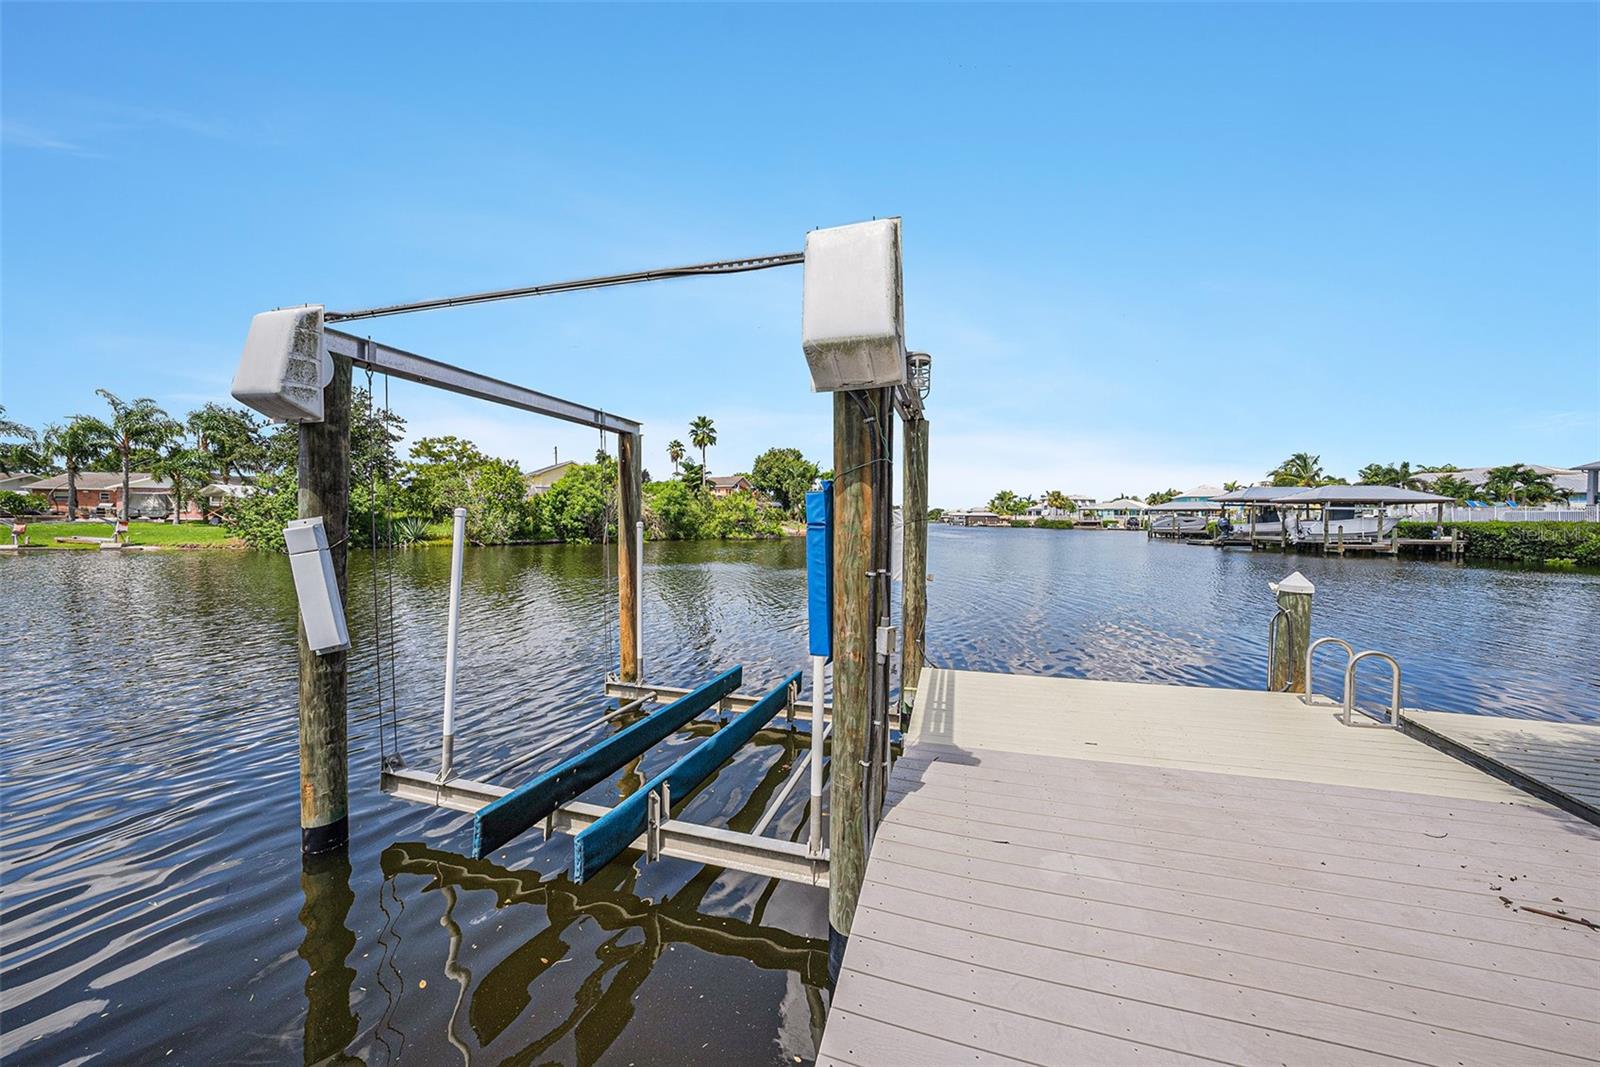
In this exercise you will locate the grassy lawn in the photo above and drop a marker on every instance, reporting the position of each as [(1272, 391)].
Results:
[(139, 533)]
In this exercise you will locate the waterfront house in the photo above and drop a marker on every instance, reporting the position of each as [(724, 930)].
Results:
[(217, 496), (975, 517), (1591, 482), (1571, 483), (100, 495), (722, 485), (1119, 510), (540, 481), (1200, 494), (1080, 501)]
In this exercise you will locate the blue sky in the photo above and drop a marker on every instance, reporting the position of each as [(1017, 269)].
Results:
[(1148, 246)]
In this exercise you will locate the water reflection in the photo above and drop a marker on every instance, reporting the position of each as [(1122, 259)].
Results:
[(630, 935), (331, 1022), (156, 908)]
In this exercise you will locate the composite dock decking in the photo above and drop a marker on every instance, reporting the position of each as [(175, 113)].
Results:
[(1104, 873), (1563, 757)]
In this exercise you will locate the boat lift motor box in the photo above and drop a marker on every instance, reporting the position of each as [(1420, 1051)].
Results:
[(852, 319), (316, 586), (285, 365)]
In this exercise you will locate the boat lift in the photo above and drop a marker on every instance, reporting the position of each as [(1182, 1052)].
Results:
[(295, 368)]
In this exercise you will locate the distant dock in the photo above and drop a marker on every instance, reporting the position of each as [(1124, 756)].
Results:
[(1105, 872)]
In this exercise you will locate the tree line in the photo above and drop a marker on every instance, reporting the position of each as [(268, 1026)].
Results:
[(213, 443), (1516, 483), (395, 498)]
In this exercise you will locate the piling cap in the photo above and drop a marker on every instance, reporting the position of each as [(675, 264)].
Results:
[(1295, 583)]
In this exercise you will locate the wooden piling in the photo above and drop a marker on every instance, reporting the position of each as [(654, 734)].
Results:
[(324, 489), (914, 576), (855, 517), (629, 511), (1291, 636)]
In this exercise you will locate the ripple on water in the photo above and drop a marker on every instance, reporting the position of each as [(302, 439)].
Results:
[(154, 899)]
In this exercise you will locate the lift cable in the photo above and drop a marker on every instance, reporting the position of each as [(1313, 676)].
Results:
[(726, 266)]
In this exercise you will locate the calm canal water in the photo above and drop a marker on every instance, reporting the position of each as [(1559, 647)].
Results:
[(156, 909)]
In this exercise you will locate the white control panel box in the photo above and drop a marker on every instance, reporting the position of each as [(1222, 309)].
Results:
[(852, 320), (285, 365), (316, 586)]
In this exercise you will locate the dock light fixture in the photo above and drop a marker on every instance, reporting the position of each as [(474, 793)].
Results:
[(921, 373), (852, 317), (285, 365)]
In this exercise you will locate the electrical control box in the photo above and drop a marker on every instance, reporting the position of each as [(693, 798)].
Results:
[(285, 365), (852, 320), (316, 585)]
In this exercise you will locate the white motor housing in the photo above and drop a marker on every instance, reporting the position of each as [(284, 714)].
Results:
[(285, 365), (852, 320)]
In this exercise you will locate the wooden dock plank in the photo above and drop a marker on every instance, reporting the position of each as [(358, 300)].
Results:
[(1212, 875)]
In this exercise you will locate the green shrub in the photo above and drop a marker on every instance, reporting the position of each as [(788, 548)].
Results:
[(1051, 524), (1521, 542), (12, 503), (740, 517), (259, 518), (675, 512)]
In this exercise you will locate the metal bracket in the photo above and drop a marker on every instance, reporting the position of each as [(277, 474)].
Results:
[(652, 833)]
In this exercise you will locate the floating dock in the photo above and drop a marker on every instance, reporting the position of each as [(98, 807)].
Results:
[(1104, 872)]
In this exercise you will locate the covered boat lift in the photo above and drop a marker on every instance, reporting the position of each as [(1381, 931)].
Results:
[(1327, 518)]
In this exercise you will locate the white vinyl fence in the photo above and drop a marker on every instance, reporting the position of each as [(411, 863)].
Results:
[(1496, 514)]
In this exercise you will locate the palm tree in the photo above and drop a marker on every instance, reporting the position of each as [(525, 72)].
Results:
[(1231, 487), (136, 426), (188, 471), (1517, 483), (1059, 501), (82, 441), (702, 434), (1400, 475), (675, 452), (1457, 489), (1005, 502), (229, 437), (21, 454), (1302, 468)]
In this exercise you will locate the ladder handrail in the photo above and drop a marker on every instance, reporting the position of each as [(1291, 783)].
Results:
[(1350, 686), (1349, 654)]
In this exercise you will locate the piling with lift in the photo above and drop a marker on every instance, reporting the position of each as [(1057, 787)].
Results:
[(297, 368)]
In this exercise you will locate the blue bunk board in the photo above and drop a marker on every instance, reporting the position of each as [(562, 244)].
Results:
[(602, 840), (819, 569), (523, 807)]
